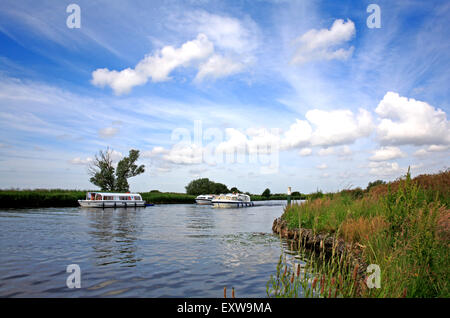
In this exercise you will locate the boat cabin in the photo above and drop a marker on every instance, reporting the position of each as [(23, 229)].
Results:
[(105, 196)]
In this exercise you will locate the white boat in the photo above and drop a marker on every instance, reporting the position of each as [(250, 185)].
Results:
[(204, 199), (232, 200), (112, 200)]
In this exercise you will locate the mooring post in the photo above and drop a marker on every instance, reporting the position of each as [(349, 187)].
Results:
[(289, 196)]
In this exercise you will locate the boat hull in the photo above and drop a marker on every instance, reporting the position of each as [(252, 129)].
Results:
[(203, 201), (231, 204), (110, 204)]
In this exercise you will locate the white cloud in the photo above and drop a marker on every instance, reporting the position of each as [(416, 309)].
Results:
[(432, 148), (80, 161), (387, 153), (409, 121), (227, 33), (158, 150), (438, 148), (321, 44), (157, 66), (326, 151), (322, 166), (298, 134), (108, 132), (218, 66), (338, 127), (385, 169), (184, 154), (305, 152)]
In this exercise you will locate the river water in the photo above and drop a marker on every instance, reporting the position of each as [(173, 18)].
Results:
[(161, 251)]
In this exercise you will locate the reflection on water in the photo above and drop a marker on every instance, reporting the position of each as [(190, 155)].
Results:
[(159, 251), (114, 233)]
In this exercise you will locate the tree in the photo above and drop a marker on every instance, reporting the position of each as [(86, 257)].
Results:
[(205, 186), (266, 193), (234, 189), (126, 168), (102, 171), (107, 178)]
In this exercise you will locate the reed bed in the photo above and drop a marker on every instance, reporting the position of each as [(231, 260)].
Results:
[(69, 198), (402, 227)]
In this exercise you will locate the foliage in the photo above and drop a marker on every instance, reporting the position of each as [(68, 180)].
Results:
[(107, 178), (205, 186), (266, 193)]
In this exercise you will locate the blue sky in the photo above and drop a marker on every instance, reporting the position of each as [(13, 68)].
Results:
[(253, 94)]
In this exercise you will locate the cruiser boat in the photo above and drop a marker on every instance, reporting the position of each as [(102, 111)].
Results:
[(231, 200), (112, 200), (204, 199)]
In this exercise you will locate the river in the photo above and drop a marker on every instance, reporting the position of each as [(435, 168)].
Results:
[(178, 250)]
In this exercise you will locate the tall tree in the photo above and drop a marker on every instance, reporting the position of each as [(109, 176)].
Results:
[(107, 178), (126, 168), (101, 170)]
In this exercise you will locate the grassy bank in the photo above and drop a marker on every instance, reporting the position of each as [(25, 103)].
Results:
[(69, 198), (403, 227)]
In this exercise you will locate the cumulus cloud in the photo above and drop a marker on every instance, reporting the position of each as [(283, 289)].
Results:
[(338, 127), (430, 149), (184, 154), (298, 134), (305, 152), (158, 150), (321, 44), (406, 121), (157, 66), (385, 169), (326, 151), (387, 153), (322, 166)]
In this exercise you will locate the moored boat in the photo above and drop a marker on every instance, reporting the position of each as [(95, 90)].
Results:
[(204, 199), (112, 200), (232, 200)]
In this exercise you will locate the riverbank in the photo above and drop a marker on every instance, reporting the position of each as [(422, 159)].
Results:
[(402, 227), (40, 198)]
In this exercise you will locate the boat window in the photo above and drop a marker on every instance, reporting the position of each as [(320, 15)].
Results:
[(98, 197), (137, 198)]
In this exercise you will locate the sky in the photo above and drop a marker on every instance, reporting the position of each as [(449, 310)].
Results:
[(313, 95)]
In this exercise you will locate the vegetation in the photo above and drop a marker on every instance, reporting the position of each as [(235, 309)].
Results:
[(107, 178), (266, 193), (69, 198), (403, 227), (205, 186)]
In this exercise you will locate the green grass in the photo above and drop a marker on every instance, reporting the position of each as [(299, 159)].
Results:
[(404, 227)]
